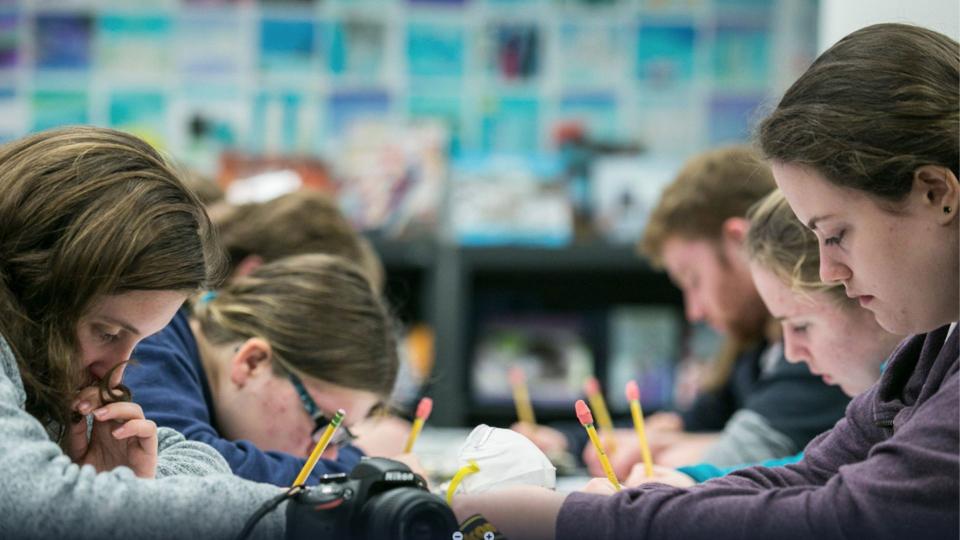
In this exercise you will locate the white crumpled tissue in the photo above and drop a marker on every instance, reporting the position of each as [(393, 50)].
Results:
[(504, 458)]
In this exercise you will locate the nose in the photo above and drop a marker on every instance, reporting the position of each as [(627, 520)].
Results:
[(793, 349), (833, 271), (103, 365)]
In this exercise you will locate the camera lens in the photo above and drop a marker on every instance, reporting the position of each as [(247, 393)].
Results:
[(408, 514)]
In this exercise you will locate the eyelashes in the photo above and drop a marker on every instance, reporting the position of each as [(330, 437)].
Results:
[(834, 240)]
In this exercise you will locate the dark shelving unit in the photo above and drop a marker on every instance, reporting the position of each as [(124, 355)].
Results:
[(453, 288)]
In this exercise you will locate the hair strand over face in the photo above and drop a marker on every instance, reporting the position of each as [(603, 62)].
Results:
[(87, 212)]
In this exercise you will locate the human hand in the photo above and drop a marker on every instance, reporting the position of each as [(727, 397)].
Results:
[(661, 475), (547, 439), (599, 486), (412, 461), (382, 436), (663, 421), (120, 436), (627, 453), (684, 449)]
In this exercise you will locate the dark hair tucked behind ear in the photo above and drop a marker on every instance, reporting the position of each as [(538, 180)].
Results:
[(880, 103), (86, 212)]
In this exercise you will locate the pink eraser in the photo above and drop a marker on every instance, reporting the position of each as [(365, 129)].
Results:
[(633, 391), (517, 377), (424, 408), (583, 412), (591, 386)]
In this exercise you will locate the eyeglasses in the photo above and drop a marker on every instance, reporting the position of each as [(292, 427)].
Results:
[(343, 434)]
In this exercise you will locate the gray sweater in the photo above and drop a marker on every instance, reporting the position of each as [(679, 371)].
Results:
[(44, 494)]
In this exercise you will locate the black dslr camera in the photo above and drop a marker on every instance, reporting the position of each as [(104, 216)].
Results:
[(381, 499)]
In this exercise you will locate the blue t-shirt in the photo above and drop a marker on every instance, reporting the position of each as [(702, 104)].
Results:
[(168, 381)]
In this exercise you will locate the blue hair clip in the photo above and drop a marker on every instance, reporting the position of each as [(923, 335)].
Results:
[(207, 296)]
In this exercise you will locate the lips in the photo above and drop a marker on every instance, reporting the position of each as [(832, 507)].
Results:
[(864, 299)]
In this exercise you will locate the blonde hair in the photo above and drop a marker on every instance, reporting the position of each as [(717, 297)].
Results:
[(318, 313), (780, 243), (87, 212), (710, 188)]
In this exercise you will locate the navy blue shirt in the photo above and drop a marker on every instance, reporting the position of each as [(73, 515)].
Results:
[(792, 400), (168, 381)]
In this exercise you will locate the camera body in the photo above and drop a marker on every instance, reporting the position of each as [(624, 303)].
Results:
[(380, 499)]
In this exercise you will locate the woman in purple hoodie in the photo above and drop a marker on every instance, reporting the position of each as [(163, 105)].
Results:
[(865, 148)]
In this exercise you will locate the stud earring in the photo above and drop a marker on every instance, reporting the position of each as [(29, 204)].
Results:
[(946, 209)]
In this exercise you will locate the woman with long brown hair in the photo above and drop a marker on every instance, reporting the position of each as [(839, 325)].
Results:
[(100, 244), (865, 148)]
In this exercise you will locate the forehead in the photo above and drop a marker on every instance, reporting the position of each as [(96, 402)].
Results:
[(679, 253), (781, 300), (135, 301), (810, 195), (144, 310)]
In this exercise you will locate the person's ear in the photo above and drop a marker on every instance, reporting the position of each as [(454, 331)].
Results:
[(253, 358), (247, 265), (940, 191), (734, 230)]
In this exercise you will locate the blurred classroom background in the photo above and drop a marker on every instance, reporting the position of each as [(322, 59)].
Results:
[(502, 155)]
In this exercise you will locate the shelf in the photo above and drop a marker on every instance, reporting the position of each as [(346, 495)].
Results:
[(453, 288), (574, 258), (405, 254)]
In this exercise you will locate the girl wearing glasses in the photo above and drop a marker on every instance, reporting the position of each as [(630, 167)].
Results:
[(259, 367)]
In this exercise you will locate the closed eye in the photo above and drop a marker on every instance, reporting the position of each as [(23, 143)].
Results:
[(834, 240)]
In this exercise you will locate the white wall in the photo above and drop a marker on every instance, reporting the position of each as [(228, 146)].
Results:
[(840, 17)]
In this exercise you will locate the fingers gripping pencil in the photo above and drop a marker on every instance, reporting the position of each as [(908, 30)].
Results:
[(586, 419)]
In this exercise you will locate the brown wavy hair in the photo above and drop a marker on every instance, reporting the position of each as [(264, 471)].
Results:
[(305, 221), (87, 212), (320, 315), (880, 103)]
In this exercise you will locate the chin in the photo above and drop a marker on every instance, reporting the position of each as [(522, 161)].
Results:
[(902, 325)]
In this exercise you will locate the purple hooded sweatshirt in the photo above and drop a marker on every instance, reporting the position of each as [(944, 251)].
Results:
[(888, 469)]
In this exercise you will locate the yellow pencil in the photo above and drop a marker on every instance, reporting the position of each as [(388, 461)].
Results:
[(592, 388), (319, 448), (586, 419), (423, 412), (633, 396), (521, 398)]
